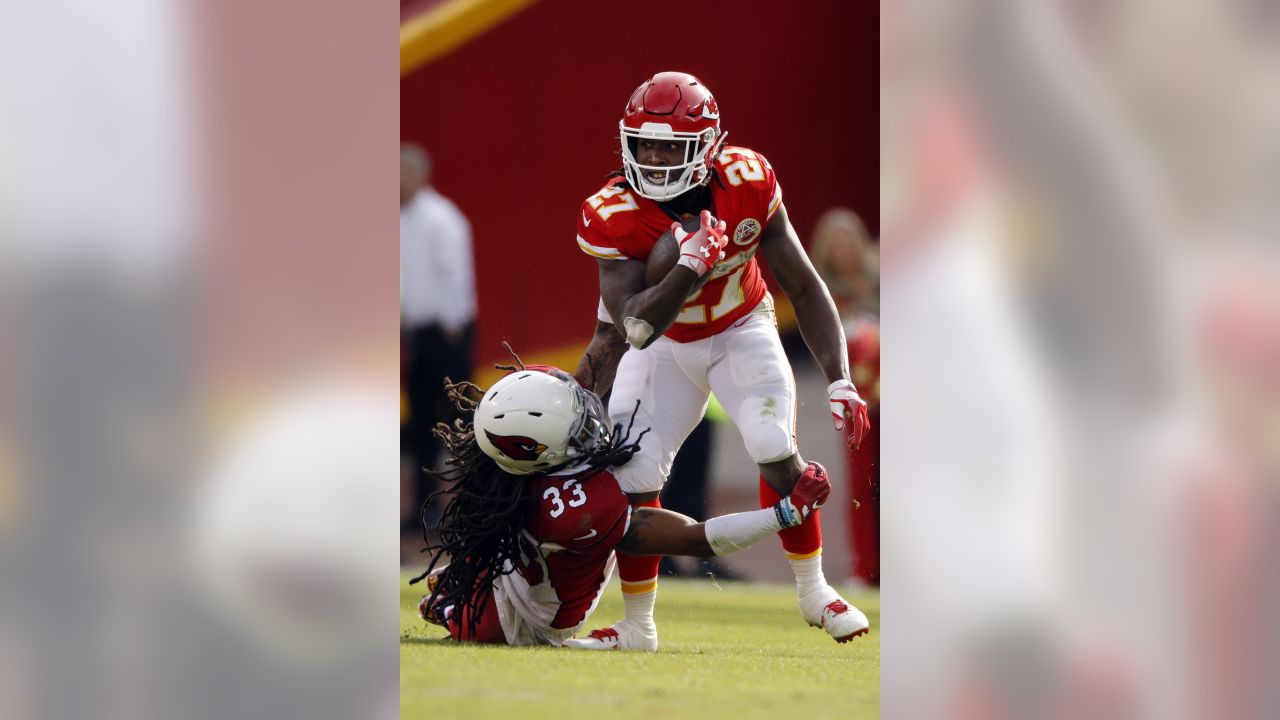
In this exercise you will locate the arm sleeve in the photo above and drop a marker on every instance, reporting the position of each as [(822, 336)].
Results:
[(771, 191), (775, 202), (731, 533)]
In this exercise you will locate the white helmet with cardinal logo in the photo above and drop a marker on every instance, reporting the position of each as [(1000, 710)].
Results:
[(534, 421)]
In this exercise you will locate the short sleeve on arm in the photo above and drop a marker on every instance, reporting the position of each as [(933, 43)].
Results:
[(772, 194), (593, 238)]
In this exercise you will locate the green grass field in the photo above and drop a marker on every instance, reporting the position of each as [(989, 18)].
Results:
[(731, 650)]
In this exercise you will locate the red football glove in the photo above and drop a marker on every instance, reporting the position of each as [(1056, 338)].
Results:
[(701, 250), (433, 614), (809, 494), (846, 406)]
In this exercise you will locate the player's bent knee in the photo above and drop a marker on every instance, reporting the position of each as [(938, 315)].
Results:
[(768, 442)]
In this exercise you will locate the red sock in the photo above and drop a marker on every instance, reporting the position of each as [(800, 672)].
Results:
[(800, 541), (639, 573)]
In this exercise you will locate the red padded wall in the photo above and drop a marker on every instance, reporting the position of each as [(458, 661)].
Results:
[(522, 125)]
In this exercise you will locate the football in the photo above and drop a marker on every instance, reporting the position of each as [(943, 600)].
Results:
[(663, 257)]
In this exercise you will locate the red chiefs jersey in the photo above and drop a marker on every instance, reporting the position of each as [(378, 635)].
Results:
[(566, 553), (618, 224)]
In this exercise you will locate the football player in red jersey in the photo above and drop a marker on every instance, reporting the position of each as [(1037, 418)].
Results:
[(535, 513), (723, 339)]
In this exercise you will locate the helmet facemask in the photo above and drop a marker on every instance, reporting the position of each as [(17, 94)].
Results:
[(591, 431), (695, 170)]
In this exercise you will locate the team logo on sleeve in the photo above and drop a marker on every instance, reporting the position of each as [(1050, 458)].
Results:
[(747, 231), (517, 447)]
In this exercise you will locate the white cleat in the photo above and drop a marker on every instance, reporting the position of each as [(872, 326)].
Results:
[(624, 635), (827, 610)]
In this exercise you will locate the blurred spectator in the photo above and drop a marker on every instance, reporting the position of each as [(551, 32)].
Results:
[(848, 261), (437, 315)]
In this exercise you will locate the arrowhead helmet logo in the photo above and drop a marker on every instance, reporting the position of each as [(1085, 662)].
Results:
[(517, 447)]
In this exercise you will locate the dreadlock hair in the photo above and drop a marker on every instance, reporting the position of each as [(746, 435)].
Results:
[(481, 526)]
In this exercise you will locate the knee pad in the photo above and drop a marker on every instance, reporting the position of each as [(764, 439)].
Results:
[(767, 423), (767, 441)]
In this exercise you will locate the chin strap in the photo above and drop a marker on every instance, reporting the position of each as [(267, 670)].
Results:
[(715, 152)]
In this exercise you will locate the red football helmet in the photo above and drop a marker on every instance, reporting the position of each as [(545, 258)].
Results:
[(675, 107)]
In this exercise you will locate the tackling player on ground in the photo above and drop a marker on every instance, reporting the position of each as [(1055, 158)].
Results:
[(535, 513), (723, 339)]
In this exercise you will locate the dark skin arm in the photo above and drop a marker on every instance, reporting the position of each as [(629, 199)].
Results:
[(816, 314), (622, 289), (655, 531), (598, 367), (815, 311), (599, 364), (625, 296)]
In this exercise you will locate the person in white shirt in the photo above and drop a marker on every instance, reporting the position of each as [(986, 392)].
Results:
[(437, 312)]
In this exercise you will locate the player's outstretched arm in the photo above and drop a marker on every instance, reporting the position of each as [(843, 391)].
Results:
[(655, 531), (815, 310), (818, 320), (599, 364)]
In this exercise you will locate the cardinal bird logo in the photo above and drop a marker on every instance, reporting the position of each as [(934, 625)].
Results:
[(517, 447)]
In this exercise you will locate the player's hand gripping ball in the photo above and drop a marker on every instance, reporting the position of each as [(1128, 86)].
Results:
[(847, 407), (702, 249), (668, 250)]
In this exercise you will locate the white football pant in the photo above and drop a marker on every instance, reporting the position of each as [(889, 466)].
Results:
[(744, 366)]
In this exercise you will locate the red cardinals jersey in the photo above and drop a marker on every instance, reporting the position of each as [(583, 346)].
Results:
[(618, 224), (566, 556)]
